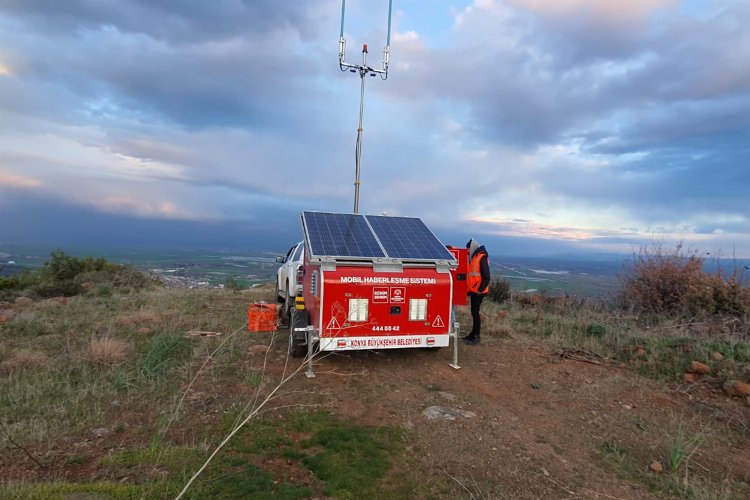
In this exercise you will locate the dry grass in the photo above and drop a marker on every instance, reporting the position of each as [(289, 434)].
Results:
[(108, 351), (138, 318), (23, 359)]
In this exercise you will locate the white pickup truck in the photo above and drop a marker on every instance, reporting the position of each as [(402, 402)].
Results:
[(289, 277)]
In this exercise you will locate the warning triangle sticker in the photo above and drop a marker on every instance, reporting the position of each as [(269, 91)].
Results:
[(438, 322), (333, 324)]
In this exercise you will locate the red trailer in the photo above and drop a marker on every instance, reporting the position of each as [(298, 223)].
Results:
[(375, 282)]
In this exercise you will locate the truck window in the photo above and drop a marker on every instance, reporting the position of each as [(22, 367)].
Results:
[(298, 252), (289, 254)]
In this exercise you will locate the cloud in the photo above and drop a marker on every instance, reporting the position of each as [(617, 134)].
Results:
[(573, 116), (18, 181)]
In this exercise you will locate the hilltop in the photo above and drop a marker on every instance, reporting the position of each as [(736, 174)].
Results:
[(112, 395)]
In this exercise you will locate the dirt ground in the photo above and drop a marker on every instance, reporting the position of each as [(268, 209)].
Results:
[(543, 426)]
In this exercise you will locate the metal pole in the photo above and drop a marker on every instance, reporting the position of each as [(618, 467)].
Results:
[(363, 72)]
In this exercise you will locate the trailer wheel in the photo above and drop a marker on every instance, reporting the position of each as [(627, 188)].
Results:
[(297, 340)]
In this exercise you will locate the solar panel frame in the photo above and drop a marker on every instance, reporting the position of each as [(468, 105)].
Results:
[(340, 236), (407, 238), (366, 237)]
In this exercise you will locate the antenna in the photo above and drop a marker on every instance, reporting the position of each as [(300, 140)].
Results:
[(363, 71)]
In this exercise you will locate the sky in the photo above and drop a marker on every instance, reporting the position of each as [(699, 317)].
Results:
[(538, 127)]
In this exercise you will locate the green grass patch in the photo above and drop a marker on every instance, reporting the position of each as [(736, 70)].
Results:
[(165, 352), (351, 460)]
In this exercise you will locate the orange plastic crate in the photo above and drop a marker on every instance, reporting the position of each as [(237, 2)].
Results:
[(261, 317)]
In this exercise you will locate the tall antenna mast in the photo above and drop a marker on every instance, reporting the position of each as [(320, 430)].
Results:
[(363, 71)]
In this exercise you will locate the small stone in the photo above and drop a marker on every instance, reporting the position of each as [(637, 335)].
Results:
[(689, 378), (699, 368), (444, 412), (101, 432), (144, 330), (494, 449), (622, 365), (742, 388), (3, 318), (717, 356), (735, 388), (656, 467), (545, 472)]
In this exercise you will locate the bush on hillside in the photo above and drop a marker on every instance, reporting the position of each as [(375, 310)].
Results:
[(661, 281), (499, 291), (65, 275)]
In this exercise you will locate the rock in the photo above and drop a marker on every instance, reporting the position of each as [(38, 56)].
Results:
[(3, 318), (716, 356), (258, 348), (23, 301), (622, 365), (101, 432), (688, 378), (736, 388), (699, 368), (444, 412), (656, 467), (144, 330)]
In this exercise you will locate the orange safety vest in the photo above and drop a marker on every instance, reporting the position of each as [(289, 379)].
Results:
[(474, 274)]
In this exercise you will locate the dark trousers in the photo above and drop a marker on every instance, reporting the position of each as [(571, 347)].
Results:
[(476, 302)]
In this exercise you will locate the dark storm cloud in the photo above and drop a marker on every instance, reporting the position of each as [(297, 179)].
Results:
[(198, 64), (55, 220)]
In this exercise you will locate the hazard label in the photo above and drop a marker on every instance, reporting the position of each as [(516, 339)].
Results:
[(438, 322), (333, 324)]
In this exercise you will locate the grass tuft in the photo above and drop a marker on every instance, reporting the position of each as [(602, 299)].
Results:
[(108, 351), (165, 352)]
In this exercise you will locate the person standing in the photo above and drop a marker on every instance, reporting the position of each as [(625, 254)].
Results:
[(478, 282)]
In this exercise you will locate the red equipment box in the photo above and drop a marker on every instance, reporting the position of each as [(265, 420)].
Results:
[(376, 282)]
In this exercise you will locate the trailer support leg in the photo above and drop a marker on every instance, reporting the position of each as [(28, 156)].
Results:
[(309, 373), (456, 330)]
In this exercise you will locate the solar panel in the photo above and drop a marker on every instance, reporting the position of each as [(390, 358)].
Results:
[(407, 238), (340, 235)]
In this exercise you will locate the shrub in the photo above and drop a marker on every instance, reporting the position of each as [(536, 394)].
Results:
[(661, 281), (499, 291), (65, 275), (232, 284)]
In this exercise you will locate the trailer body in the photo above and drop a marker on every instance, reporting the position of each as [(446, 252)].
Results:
[(376, 282)]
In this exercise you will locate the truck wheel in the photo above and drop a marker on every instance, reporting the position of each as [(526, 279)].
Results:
[(297, 340)]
